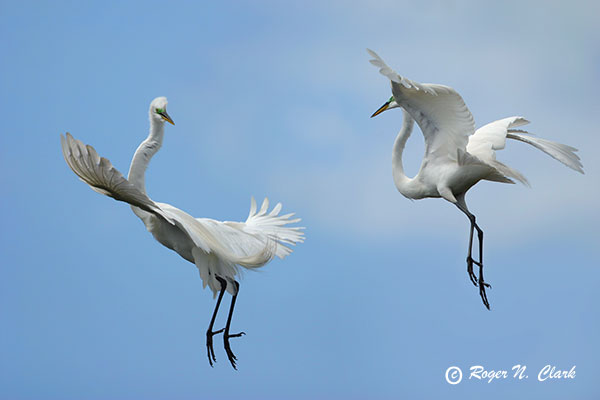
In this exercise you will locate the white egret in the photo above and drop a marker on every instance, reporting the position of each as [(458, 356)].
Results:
[(456, 155), (217, 248)]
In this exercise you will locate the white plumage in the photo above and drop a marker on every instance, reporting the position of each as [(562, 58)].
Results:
[(218, 249), (456, 155)]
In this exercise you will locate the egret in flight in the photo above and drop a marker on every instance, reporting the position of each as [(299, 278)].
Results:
[(218, 249), (456, 155)]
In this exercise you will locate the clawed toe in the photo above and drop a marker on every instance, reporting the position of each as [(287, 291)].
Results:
[(483, 294), (211, 351), (472, 275), (232, 358), (478, 281), (226, 335), (209, 346)]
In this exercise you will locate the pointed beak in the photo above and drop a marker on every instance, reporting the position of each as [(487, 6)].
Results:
[(166, 117), (381, 109)]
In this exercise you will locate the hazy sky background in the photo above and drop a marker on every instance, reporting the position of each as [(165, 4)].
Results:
[(273, 99)]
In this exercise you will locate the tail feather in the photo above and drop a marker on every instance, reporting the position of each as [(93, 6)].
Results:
[(274, 226)]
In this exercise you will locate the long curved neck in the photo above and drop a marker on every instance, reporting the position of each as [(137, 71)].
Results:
[(400, 178), (144, 153)]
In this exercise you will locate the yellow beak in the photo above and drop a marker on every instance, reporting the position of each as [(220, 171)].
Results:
[(166, 117), (381, 109)]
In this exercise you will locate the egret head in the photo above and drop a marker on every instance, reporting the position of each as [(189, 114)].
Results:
[(158, 110), (391, 103)]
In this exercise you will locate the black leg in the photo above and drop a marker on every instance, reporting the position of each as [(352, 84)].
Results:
[(209, 333), (470, 260), (226, 334), (482, 283)]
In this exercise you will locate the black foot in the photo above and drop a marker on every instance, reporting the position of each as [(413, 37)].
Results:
[(482, 286), (472, 275), (478, 281), (230, 355), (209, 346)]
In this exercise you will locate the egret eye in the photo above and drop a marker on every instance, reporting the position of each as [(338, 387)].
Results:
[(160, 110)]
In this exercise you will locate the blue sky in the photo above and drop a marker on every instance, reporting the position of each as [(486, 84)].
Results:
[(273, 99)]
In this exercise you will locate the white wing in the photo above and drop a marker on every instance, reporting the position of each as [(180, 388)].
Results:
[(560, 152), (102, 177), (216, 249), (251, 243), (273, 225), (441, 113), (219, 247), (226, 242), (492, 137)]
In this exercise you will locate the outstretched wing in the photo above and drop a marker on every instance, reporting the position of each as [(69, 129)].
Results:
[(226, 242), (251, 243), (560, 152), (492, 137), (441, 113), (219, 248), (273, 226), (102, 177)]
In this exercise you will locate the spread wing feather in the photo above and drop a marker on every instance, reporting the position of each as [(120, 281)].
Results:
[(492, 137), (102, 177), (440, 111)]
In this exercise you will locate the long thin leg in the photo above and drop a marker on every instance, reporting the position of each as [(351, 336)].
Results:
[(209, 333), (462, 206), (482, 283), (226, 334), (470, 261)]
